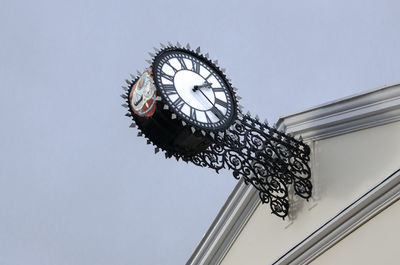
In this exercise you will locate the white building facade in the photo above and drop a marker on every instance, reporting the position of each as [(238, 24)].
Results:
[(353, 215)]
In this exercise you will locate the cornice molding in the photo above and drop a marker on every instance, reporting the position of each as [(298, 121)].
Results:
[(357, 112), (359, 212), (361, 111), (230, 220)]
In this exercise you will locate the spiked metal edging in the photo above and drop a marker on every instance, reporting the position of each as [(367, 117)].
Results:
[(197, 52), (213, 64), (133, 116), (127, 105)]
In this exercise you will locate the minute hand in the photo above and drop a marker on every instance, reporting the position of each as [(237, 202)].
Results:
[(214, 109)]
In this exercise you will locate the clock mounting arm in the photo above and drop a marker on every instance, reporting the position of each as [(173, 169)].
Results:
[(264, 157)]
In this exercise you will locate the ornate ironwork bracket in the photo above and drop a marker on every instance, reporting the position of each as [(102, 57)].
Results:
[(268, 159)]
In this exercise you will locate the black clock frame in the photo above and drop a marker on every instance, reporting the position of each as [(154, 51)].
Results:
[(205, 62), (263, 156)]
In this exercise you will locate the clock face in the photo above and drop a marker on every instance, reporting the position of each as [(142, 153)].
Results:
[(194, 89)]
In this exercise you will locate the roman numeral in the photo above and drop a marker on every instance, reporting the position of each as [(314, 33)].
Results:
[(173, 68), (208, 118), (216, 112), (168, 77), (179, 103), (196, 67), (169, 89), (221, 103), (193, 114), (182, 63), (218, 89)]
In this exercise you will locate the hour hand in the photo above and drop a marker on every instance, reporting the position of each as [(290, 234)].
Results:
[(206, 84)]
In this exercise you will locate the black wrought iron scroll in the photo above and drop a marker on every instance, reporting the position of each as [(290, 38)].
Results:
[(268, 159)]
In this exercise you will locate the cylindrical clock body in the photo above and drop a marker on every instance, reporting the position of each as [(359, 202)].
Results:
[(182, 101), (170, 134)]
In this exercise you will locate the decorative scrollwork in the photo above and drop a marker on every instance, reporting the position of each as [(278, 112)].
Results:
[(264, 157)]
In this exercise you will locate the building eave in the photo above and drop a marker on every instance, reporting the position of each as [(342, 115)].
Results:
[(372, 108), (361, 111)]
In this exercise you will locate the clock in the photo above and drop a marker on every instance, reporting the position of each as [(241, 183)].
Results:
[(184, 105), (194, 89), (181, 101)]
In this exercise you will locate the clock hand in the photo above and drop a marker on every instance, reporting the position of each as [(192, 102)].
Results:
[(214, 109), (201, 86)]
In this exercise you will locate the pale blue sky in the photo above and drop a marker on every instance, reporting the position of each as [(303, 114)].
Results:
[(76, 184)]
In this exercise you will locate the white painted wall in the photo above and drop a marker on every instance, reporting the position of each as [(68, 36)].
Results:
[(344, 168), (375, 242)]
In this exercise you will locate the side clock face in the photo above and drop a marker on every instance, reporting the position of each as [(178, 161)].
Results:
[(194, 89)]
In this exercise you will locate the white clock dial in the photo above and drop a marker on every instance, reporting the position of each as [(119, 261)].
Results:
[(194, 89)]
